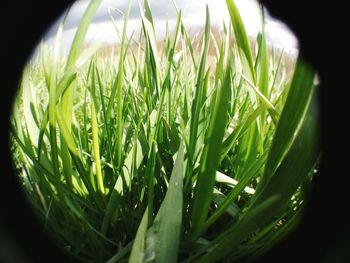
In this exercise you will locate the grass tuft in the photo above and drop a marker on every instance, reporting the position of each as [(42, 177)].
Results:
[(166, 153)]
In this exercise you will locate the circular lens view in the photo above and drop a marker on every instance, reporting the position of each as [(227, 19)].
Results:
[(166, 132)]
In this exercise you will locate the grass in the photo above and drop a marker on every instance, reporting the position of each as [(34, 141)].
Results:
[(157, 156)]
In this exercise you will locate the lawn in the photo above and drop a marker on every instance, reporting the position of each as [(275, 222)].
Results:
[(165, 153)]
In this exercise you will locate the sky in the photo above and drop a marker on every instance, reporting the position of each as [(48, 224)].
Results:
[(102, 30)]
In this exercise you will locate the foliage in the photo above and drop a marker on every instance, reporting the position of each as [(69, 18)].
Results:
[(166, 154)]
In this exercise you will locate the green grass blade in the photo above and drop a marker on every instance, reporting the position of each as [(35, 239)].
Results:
[(96, 148), (195, 145), (299, 160), (117, 90), (65, 115), (239, 131), (200, 95), (294, 169), (226, 243), (138, 248), (66, 134), (166, 227), (210, 158), (148, 13), (79, 37), (246, 178), (294, 109), (113, 205), (74, 53), (29, 115), (150, 171), (262, 71), (262, 61), (121, 253), (269, 106), (242, 41)]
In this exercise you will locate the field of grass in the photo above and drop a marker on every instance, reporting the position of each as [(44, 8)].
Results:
[(154, 156)]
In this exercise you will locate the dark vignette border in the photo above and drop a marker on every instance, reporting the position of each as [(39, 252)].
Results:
[(322, 236)]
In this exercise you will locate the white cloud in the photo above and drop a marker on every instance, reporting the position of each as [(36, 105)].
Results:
[(102, 29)]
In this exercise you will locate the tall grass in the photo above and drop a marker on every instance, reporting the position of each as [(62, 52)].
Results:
[(166, 154)]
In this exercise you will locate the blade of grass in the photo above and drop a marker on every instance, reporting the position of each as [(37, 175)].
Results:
[(294, 109), (199, 97), (269, 106), (246, 178), (64, 116), (239, 131), (117, 90), (138, 247), (293, 170), (210, 158), (96, 148), (166, 228), (242, 40)]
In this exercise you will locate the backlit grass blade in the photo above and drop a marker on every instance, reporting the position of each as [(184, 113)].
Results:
[(28, 102), (238, 131), (262, 60), (186, 37), (293, 170), (269, 106), (242, 41), (52, 83), (187, 148), (262, 72), (95, 75), (29, 154), (148, 13), (66, 134), (210, 157), (74, 52), (79, 36), (117, 90), (153, 64), (65, 114), (96, 148), (200, 96)]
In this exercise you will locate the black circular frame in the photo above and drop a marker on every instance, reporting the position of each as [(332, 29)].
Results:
[(321, 237)]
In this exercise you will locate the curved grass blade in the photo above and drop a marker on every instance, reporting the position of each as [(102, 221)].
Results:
[(299, 96), (79, 37), (66, 134), (64, 118)]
